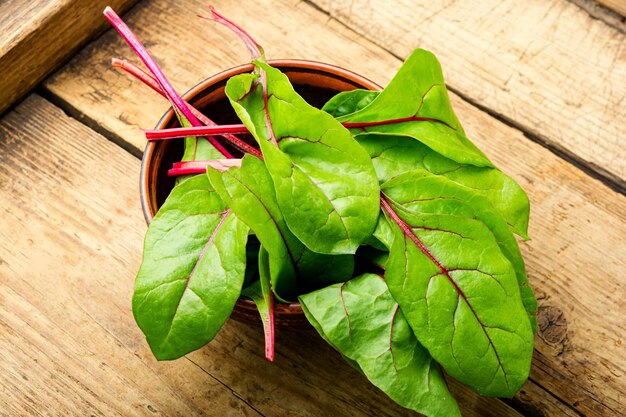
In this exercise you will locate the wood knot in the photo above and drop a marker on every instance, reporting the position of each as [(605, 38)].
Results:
[(552, 326)]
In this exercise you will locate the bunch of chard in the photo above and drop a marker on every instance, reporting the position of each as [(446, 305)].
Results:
[(388, 178)]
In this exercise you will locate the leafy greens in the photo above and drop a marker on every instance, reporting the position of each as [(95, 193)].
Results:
[(185, 289), (455, 285), (325, 182), (361, 319), (376, 212)]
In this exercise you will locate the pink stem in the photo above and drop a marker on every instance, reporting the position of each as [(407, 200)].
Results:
[(268, 120), (151, 82), (269, 333), (177, 102), (257, 52), (392, 121), (161, 134), (199, 167), (138, 73), (181, 132), (143, 54), (255, 49)]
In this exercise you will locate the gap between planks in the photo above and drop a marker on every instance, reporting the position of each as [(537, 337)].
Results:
[(602, 11), (235, 393), (26, 53), (83, 118)]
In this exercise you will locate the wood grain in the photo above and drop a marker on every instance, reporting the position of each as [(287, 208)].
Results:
[(546, 66), (70, 245), (577, 254), (37, 36)]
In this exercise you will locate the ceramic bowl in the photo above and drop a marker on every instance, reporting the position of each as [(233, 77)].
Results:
[(316, 82)]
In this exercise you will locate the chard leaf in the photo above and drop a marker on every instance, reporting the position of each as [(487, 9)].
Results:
[(418, 92), (383, 233), (262, 295), (362, 321), (419, 192), (325, 183), (394, 155), (458, 291), (256, 293), (348, 102), (192, 271), (249, 192)]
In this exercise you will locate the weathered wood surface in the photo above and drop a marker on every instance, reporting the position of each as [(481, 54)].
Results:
[(546, 66), (65, 301), (37, 36), (70, 244), (569, 208)]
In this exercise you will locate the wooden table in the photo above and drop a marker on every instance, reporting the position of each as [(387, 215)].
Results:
[(540, 85)]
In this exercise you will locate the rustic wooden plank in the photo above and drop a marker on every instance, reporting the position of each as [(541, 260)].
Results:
[(575, 258), (70, 244), (546, 66), (37, 36)]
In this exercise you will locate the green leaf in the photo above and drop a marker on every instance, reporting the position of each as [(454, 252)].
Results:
[(457, 289), (363, 322), (261, 293), (249, 192), (419, 192), (256, 293), (383, 233), (394, 155), (325, 183), (192, 271), (348, 102), (418, 91)]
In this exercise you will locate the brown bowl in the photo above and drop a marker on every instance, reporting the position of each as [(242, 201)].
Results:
[(315, 81)]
